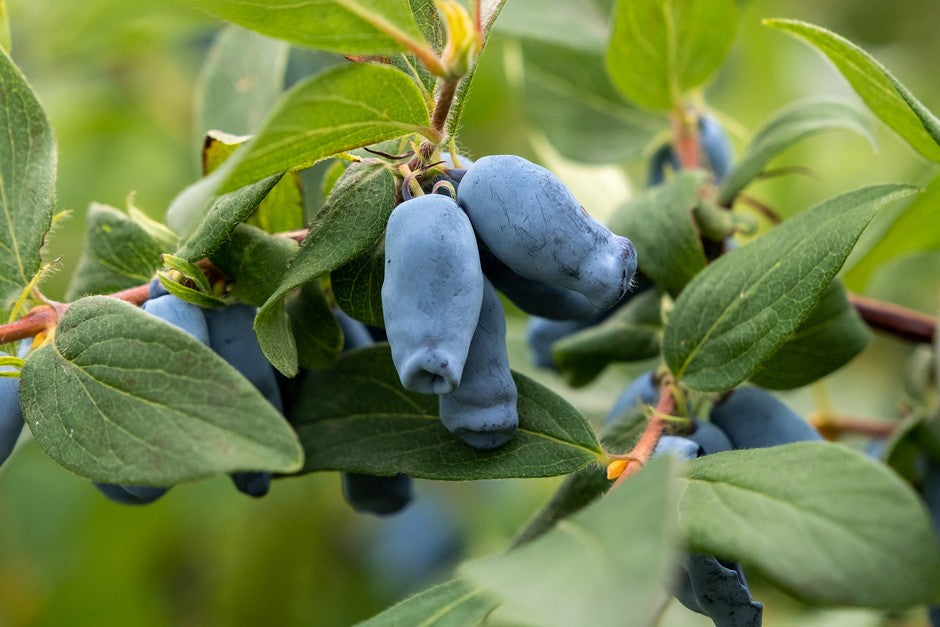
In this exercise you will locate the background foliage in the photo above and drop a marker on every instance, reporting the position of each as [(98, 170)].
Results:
[(117, 78)]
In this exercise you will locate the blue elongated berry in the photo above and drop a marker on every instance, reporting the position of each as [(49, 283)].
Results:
[(535, 297), (534, 225), (664, 157), (681, 447), (252, 483), (931, 493), (410, 549), (542, 333), (130, 494), (715, 146), (482, 410), (364, 492), (180, 314), (355, 333), (718, 591), (432, 292), (714, 149), (11, 414), (155, 289), (377, 495), (709, 438), (232, 337), (641, 391), (190, 319), (753, 418)]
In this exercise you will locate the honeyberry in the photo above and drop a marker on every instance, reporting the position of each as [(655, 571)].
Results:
[(533, 224), (753, 418), (482, 410), (432, 292)]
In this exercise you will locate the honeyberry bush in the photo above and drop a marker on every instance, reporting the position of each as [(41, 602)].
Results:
[(725, 296)]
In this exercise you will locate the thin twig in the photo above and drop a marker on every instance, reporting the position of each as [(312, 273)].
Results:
[(832, 426), (895, 319), (761, 208), (644, 448)]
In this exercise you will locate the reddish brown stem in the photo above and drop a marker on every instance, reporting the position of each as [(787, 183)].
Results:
[(644, 448), (831, 427), (894, 319), (761, 208), (685, 141), (445, 99)]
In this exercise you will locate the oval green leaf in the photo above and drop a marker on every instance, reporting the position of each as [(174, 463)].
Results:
[(660, 49), (27, 182), (787, 127), (827, 340), (350, 222), (659, 223), (356, 417), (739, 310), (121, 396), (605, 566), (822, 521), (239, 83), (450, 604), (878, 88), (360, 27), (342, 108)]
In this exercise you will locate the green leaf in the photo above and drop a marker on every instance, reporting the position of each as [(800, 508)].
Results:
[(225, 213), (316, 332), (255, 261), (429, 22), (659, 223), (241, 79), (27, 182), (450, 604), (188, 294), (569, 97), (357, 286), (823, 522), (350, 222), (632, 333), (345, 107), (606, 565), (360, 27), (787, 127), (356, 417), (581, 488), (282, 209), (878, 88), (914, 230), (742, 307), (189, 271), (342, 108), (827, 340), (660, 49), (123, 397), (118, 254)]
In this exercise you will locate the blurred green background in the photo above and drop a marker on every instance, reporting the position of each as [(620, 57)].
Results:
[(117, 80)]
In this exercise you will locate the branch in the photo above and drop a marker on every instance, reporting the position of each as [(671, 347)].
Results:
[(685, 140), (899, 321), (832, 426), (625, 466)]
